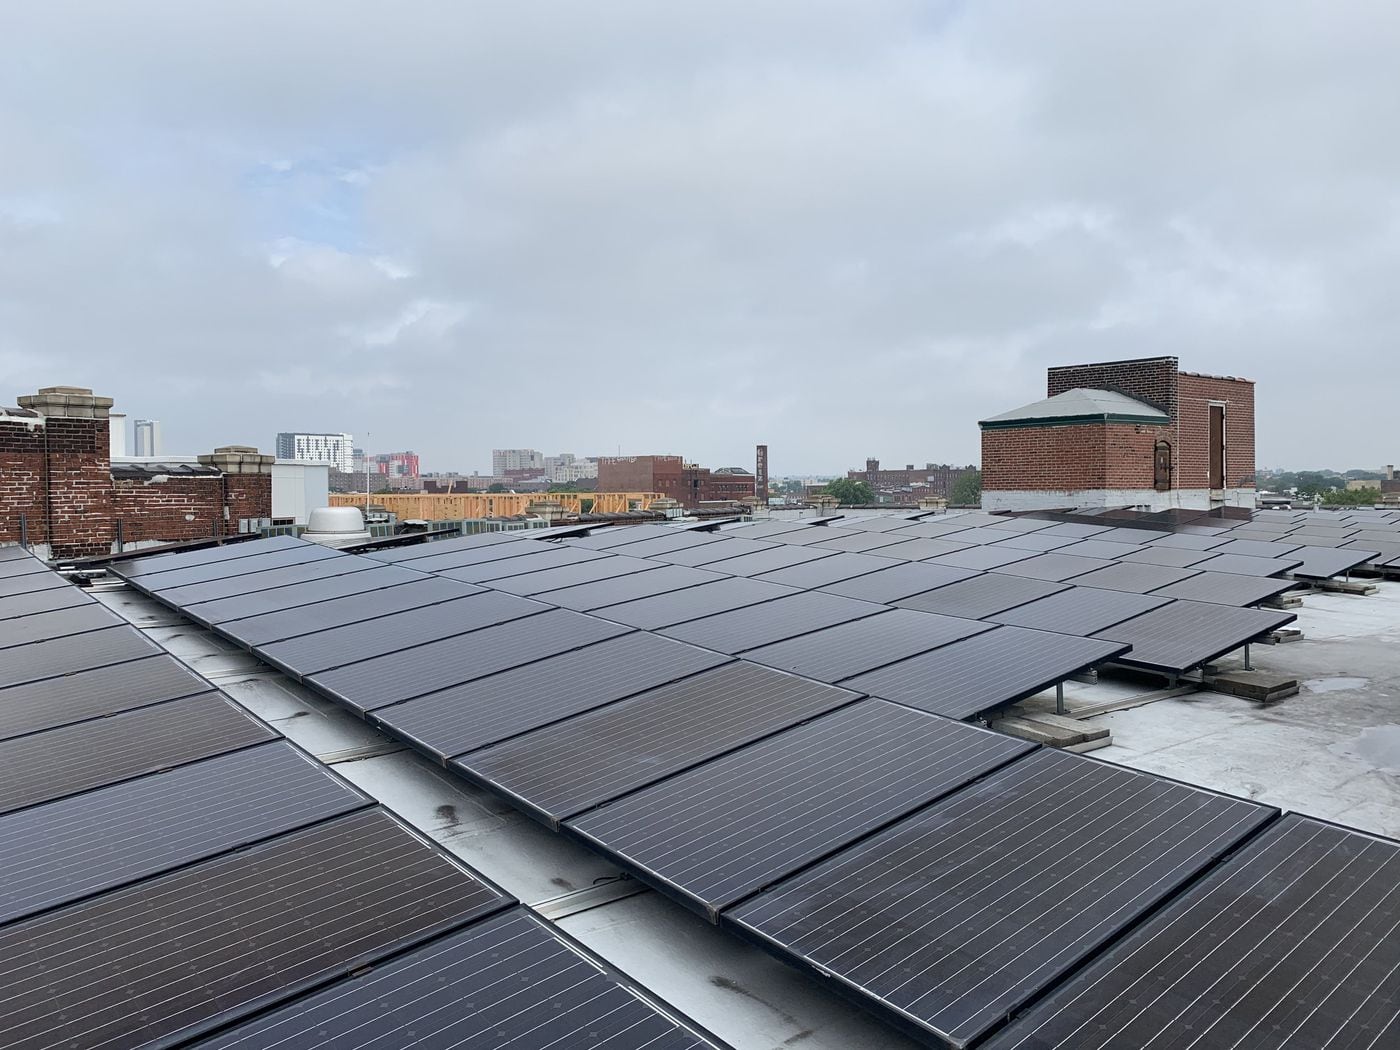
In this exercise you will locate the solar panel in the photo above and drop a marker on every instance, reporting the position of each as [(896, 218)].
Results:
[(62, 656), (981, 595), (533, 583), (1322, 563), (47, 600), (45, 766), (815, 574), (301, 554), (476, 541), (953, 918), (1133, 536), (478, 554), (899, 581), (82, 695), (982, 536), (934, 530), (233, 586), (757, 625), (395, 633), (1053, 568), (488, 710), (1175, 557), (16, 567), (1135, 577), (1020, 526), (977, 674), (760, 562), (1190, 542), (726, 547), (36, 581), (1097, 548), (874, 523), (1080, 611), (399, 675), (854, 542), (622, 535), (692, 603), (564, 769), (849, 649), (267, 922), (1386, 551), (548, 558), (295, 595), (1077, 530), (982, 558), (501, 984), (65, 850), (588, 596), (340, 612), (61, 623), (14, 552), (919, 549), (664, 544), (1247, 565), (1186, 634), (732, 826), (1220, 588), (760, 529), (1036, 541), (205, 556), (1256, 548), (1289, 943)]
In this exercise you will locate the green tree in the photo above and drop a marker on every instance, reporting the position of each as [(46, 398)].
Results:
[(564, 486), (496, 486), (850, 492), (967, 490)]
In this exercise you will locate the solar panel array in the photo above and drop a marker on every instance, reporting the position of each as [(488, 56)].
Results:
[(171, 866), (790, 764)]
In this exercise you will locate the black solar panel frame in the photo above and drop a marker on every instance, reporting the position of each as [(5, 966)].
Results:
[(1155, 628), (693, 603), (55, 657), (981, 596), (50, 599), (899, 581), (58, 623), (159, 563), (787, 618), (298, 595), (1063, 613), (1223, 588)]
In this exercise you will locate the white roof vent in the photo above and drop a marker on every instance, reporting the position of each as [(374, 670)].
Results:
[(336, 527)]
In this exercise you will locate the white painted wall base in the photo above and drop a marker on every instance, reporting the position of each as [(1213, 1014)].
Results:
[(1146, 499)]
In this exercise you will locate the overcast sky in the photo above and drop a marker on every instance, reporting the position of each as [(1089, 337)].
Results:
[(843, 228)]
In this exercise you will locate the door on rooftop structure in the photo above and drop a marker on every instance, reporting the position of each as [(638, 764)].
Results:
[(1162, 466), (1217, 446)]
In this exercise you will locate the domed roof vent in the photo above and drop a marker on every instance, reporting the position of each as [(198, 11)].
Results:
[(336, 527)]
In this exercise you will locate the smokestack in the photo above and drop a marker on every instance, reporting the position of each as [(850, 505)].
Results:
[(1390, 472), (760, 476)]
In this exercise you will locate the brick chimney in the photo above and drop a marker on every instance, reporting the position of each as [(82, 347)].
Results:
[(71, 451), (247, 483)]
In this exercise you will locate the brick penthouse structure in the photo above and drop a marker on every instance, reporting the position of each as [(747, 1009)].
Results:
[(1136, 433), (59, 491), (910, 484), (686, 483)]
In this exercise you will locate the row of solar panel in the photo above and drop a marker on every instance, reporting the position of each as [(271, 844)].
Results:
[(939, 872), (171, 867)]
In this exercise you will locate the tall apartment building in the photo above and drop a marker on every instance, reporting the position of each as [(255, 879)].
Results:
[(395, 464), (514, 460), (147, 437), (336, 449)]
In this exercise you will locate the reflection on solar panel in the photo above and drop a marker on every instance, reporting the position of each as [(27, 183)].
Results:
[(400, 675), (848, 649), (75, 697), (59, 656), (62, 762), (1221, 588), (1290, 943), (312, 653), (589, 596), (980, 673), (488, 710), (340, 612), (207, 556), (981, 595), (956, 916), (292, 596), (899, 581), (503, 984), (74, 847), (61, 623), (1186, 634), (561, 770), (982, 558), (1055, 568), (267, 921), (732, 826), (733, 632), (1080, 612), (1135, 577), (691, 603)]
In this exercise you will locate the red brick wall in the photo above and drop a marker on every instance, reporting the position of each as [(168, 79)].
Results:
[(1193, 431), (1151, 379), (187, 508), (1068, 458), (249, 496), (21, 481)]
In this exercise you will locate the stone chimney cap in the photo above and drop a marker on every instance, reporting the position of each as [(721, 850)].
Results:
[(67, 402), (238, 459)]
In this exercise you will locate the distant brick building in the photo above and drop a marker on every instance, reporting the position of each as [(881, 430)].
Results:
[(59, 490), (1124, 433), (910, 484), (686, 483)]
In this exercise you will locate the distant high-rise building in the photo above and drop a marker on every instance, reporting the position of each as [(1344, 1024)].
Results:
[(514, 460), (147, 434), (394, 464), (567, 467), (335, 449)]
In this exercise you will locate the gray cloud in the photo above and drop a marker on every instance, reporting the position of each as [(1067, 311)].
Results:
[(843, 229)]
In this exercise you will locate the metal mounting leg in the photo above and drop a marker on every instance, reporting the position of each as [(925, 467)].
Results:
[(1059, 698), (1247, 665)]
